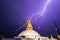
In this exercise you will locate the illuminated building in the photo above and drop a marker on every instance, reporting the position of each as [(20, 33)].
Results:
[(30, 34)]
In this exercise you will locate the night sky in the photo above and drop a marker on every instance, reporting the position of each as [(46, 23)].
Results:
[(15, 13)]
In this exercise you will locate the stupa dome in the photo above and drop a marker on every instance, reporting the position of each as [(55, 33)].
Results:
[(29, 32)]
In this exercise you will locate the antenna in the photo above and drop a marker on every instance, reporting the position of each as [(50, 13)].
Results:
[(55, 25), (57, 30)]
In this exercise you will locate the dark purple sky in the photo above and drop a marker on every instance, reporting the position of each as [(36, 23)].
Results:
[(14, 13)]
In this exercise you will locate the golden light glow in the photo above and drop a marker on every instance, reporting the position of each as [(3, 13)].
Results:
[(58, 36)]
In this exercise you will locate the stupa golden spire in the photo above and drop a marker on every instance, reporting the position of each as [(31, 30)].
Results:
[(29, 25)]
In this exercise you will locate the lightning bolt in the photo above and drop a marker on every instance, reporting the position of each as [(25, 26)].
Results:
[(40, 13)]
